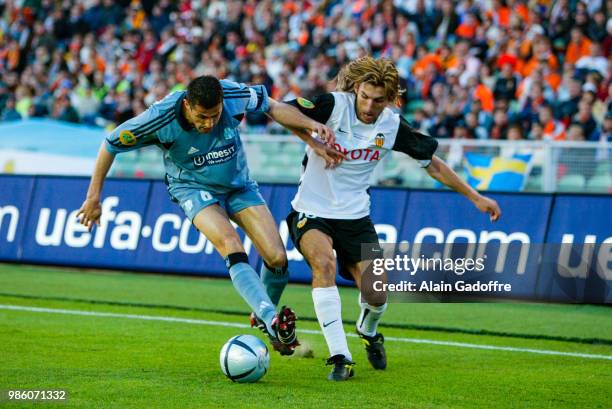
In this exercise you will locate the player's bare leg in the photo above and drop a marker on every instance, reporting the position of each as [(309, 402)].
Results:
[(214, 223), (373, 306), (317, 248)]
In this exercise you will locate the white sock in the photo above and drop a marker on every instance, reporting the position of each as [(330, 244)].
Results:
[(329, 313), (369, 318)]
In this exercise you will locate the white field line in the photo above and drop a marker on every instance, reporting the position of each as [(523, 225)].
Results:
[(304, 331)]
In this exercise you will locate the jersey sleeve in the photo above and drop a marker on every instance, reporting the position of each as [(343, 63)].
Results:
[(139, 131), (320, 109), (415, 144), (241, 98)]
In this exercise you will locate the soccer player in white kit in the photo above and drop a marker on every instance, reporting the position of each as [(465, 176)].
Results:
[(331, 209)]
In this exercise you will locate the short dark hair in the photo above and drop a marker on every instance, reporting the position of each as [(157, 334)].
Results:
[(517, 126), (205, 92)]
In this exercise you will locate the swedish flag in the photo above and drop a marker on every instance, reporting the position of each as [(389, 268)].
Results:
[(487, 172)]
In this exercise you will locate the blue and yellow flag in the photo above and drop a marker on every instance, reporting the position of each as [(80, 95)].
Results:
[(487, 172)]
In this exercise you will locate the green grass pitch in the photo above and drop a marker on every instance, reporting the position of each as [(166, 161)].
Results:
[(118, 362)]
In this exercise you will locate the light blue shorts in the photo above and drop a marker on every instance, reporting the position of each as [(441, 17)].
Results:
[(193, 199)]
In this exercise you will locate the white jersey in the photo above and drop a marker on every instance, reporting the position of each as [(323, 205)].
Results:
[(341, 193)]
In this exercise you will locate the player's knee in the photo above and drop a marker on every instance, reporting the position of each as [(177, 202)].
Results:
[(276, 258), (322, 263)]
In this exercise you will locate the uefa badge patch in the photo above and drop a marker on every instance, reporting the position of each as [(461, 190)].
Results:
[(379, 141), (127, 138), (304, 103)]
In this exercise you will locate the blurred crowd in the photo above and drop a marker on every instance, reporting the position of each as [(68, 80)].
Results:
[(490, 69)]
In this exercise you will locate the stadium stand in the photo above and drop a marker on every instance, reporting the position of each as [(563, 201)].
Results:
[(103, 61), (501, 69)]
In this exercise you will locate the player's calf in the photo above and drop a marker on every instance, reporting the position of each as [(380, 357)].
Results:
[(275, 259), (323, 270)]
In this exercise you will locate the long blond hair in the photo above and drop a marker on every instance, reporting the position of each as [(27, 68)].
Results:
[(380, 73)]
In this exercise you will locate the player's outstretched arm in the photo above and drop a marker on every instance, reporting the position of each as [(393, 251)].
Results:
[(291, 118), (91, 210), (440, 171)]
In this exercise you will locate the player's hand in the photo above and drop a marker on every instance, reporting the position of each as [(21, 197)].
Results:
[(90, 213), (325, 133), (331, 156), (484, 204)]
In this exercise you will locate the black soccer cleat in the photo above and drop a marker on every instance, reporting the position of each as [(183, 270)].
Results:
[(343, 368), (376, 349), (285, 340)]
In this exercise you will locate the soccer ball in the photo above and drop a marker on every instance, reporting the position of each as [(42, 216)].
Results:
[(244, 358)]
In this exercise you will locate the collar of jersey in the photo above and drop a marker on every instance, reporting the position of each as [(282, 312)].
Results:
[(179, 114)]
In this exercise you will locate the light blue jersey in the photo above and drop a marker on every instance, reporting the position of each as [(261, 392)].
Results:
[(214, 162), (209, 169)]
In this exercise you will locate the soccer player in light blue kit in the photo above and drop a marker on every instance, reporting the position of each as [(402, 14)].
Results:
[(207, 174)]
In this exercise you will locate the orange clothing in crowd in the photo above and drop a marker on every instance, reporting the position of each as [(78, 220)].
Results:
[(100, 66), (526, 68), (290, 7), (13, 56), (525, 48), (125, 68), (576, 51), (303, 38), (368, 14), (138, 19), (466, 30), (485, 95), (554, 130), (318, 20), (451, 62), (419, 67), (521, 89), (553, 79), (502, 16), (523, 12)]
